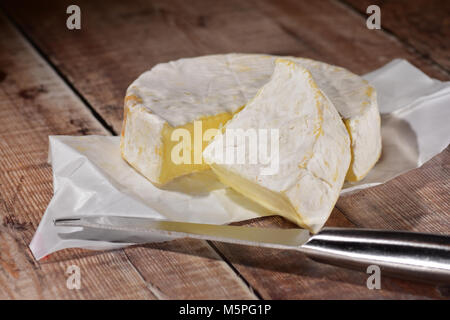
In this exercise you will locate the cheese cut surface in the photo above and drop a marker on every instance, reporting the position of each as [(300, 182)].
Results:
[(214, 88), (313, 153), (148, 144)]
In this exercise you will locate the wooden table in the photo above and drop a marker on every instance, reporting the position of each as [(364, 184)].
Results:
[(72, 82)]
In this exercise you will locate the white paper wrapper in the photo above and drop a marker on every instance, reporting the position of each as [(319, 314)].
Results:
[(90, 177)]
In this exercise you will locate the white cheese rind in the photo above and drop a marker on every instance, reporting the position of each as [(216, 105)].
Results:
[(143, 136), (314, 148), (179, 92)]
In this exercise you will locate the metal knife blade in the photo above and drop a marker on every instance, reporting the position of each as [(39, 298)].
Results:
[(140, 227), (419, 256)]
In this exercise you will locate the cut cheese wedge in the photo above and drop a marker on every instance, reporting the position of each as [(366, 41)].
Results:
[(312, 156), (210, 90)]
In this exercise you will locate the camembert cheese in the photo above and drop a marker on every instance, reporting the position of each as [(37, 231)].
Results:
[(211, 89), (313, 154)]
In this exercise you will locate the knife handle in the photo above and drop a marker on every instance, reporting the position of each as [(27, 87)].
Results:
[(410, 255)]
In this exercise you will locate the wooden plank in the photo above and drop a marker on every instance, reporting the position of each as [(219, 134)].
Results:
[(105, 275), (97, 57), (417, 201), (36, 103), (118, 41), (333, 33), (193, 270), (33, 102), (101, 276), (422, 24)]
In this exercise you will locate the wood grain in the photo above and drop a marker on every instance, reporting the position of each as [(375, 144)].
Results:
[(424, 25), (333, 33), (191, 263), (102, 276), (118, 41), (417, 201), (35, 103), (32, 103)]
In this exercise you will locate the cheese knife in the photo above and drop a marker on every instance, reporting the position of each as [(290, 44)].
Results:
[(411, 255)]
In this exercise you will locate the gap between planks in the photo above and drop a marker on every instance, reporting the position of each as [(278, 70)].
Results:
[(254, 291)]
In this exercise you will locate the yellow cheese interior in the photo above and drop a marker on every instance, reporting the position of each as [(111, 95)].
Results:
[(276, 202), (171, 170)]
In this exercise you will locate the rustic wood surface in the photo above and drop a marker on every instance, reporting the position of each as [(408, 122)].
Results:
[(36, 103), (56, 81), (422, 25)]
